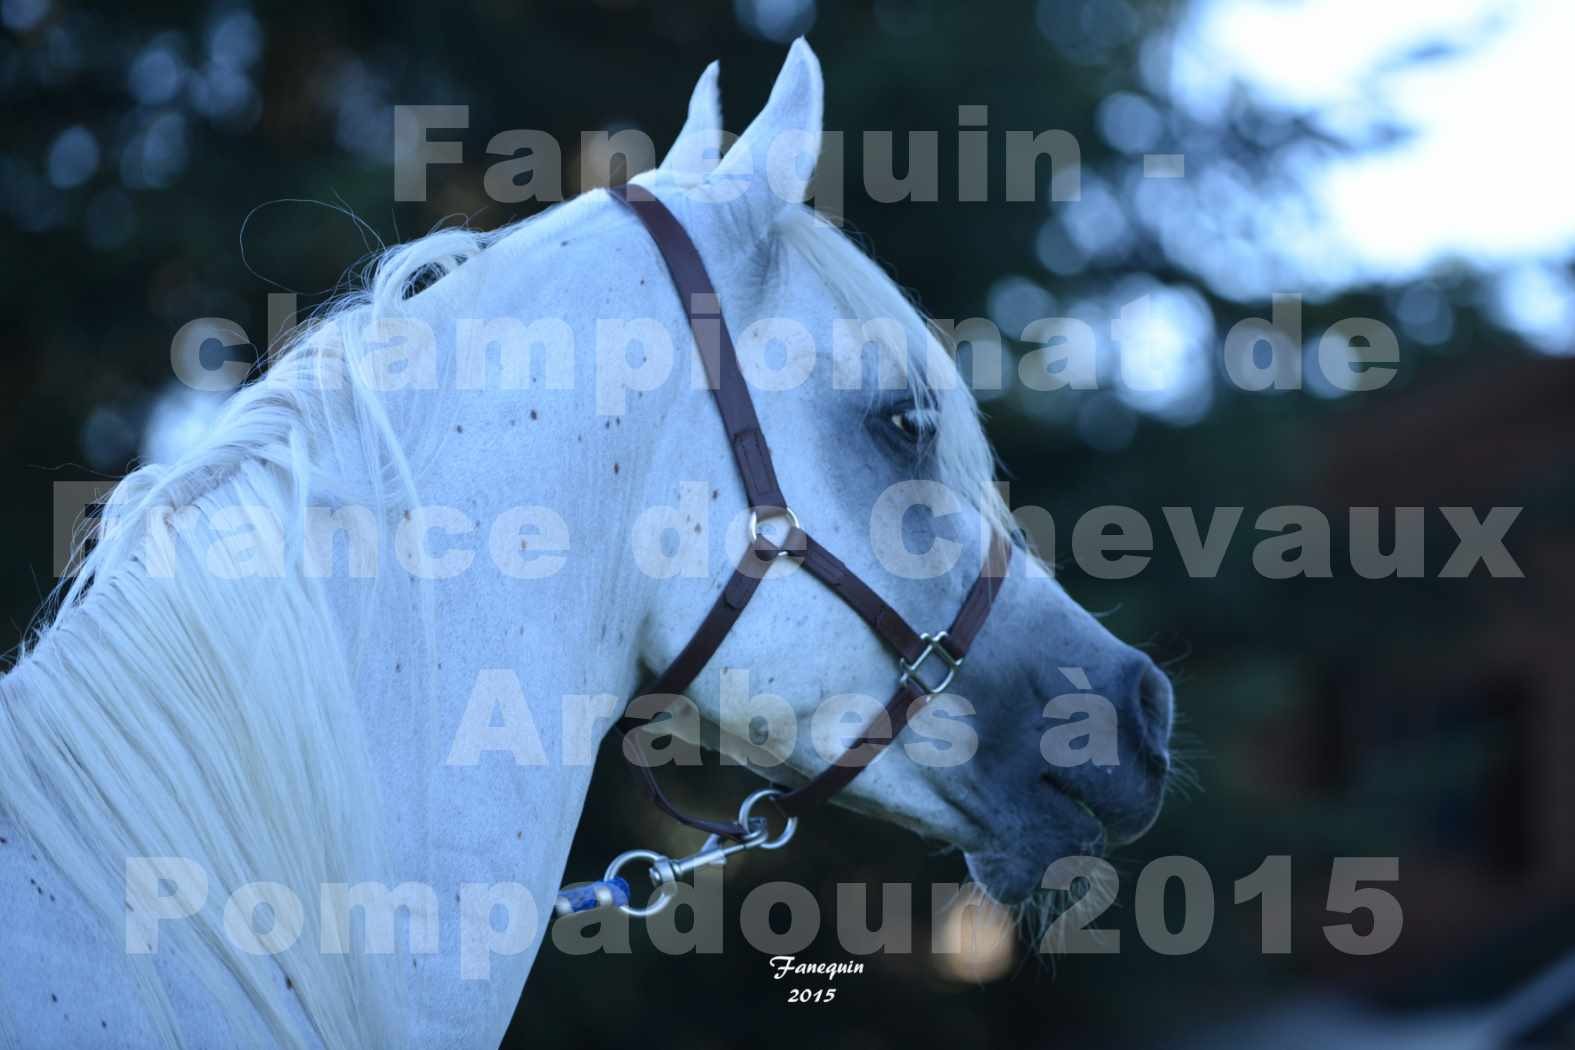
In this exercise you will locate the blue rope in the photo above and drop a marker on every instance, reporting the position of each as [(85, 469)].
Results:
[(608, 893)]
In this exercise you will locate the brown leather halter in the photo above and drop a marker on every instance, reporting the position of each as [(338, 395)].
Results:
[(914, 650)]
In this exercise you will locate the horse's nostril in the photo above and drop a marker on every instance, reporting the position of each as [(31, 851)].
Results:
[(1156, 763), (1155, 701)]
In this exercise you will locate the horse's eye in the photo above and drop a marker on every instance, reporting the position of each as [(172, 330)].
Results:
[(915, 424)]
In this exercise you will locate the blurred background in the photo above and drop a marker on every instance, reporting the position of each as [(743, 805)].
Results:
[(1403, 161)]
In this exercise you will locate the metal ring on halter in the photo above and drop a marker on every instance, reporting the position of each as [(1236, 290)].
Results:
[(787, 830), (934, 645), (756, 513), (664, 892)]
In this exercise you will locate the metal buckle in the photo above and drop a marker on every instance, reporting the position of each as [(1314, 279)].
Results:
[(932, 647), (757, 514), (665, 871)]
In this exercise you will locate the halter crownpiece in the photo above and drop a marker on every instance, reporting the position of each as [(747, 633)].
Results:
[(928, 662)]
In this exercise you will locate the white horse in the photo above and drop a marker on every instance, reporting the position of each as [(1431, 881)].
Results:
[(265, 714)]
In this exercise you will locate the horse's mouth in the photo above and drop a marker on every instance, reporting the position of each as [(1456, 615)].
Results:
[(1124, 806), (1057, 848)]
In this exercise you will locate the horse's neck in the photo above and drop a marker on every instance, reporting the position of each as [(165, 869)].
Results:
[(481, 696), (471, 793)]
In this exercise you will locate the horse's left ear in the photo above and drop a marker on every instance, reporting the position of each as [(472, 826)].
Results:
[(699, 144), (771, 164)]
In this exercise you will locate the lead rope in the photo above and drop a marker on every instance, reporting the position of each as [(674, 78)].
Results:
[(665, 872)]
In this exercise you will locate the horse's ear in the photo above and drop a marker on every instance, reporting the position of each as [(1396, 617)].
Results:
[(699, 144), (771, 164)]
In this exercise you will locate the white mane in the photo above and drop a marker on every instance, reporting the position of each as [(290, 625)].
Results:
[(180, 704)]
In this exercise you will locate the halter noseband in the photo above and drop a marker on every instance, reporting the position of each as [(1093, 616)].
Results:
[(938, 655)]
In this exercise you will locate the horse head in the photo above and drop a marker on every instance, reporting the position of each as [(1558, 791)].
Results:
[(1053, 739)]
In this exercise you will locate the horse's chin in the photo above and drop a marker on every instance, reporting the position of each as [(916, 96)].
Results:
[(1005, 878), (1024, 873)]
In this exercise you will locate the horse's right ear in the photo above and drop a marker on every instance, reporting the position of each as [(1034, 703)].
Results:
[(771, 164), (699, 144)]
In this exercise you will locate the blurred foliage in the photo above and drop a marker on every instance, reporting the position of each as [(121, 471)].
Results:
[(160, 163)]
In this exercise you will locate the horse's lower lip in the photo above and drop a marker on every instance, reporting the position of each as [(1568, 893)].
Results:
[(1013, 871), (1117, 827), (1072, 795)]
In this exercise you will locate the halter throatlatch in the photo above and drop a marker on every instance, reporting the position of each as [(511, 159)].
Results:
[(928, 662)]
